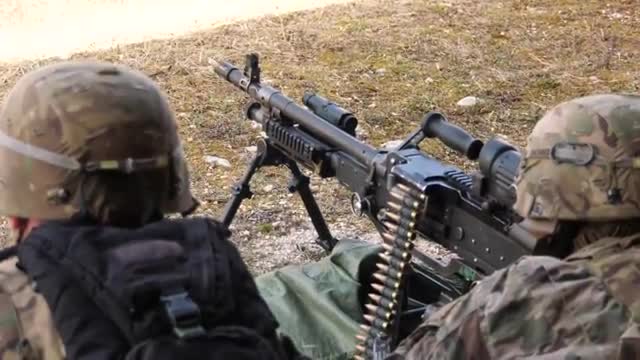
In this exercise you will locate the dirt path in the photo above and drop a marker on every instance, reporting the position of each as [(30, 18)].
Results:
[(41, 28)]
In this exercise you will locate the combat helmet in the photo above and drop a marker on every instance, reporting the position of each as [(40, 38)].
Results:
[(582, 161), (91, 137)]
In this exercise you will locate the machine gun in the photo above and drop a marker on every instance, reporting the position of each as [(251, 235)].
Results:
[(405, 192)]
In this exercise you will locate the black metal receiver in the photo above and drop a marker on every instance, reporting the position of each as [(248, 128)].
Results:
[(405, 192)]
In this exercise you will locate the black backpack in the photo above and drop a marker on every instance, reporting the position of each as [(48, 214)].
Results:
[(173, 289)]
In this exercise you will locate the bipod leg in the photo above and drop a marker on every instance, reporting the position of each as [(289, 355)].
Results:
[(241, 190), (300, 183)]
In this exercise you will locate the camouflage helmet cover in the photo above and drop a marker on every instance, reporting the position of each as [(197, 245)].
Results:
[(65, 120), (582, 161)]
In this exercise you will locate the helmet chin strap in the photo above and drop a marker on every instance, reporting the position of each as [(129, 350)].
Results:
[(84, 213)]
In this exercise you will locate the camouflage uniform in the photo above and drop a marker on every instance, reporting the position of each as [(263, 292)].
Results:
[(58, 125), (25, 315), (581, 165)]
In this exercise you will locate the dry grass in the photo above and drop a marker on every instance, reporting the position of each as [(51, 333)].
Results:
[(390, 62)]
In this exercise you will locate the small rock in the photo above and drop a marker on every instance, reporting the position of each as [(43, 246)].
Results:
[(251, 149), (594, 79), (268, 188), (468, 101), (616, 16), (372, 105), (381, 71), (361, 133), (392, 144), (428, 80), (217, 161), (255, 125)]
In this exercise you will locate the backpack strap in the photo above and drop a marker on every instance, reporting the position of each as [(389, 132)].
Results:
[(183, 313), (14, 341)]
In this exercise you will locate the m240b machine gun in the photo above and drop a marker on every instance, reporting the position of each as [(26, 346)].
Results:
[(405, 192)]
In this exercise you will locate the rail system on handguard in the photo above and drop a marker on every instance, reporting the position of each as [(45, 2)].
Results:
[(405, 192)]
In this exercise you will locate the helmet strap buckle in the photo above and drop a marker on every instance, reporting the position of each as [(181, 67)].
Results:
[(128, 166), (614, 195), (57, 196)]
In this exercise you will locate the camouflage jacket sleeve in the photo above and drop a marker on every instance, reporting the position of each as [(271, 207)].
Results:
[(26, 328), (540, 308)]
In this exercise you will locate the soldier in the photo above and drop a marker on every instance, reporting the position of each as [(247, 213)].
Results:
[(579, 185), (91, 164), (579, 189)]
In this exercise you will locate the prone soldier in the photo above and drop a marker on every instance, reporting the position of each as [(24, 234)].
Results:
[(579, 186)]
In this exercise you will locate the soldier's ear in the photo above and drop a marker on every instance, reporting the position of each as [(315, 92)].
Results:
[(17, 223), (23, 225), (20, 227), (17, 227)]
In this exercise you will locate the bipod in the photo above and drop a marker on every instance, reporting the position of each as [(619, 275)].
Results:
[(267, 155)]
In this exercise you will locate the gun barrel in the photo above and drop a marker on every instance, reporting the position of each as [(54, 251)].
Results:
[(319, 127), (226, 71)]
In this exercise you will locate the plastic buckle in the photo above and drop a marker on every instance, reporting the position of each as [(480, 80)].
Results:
[(184, 315), (128, 165)]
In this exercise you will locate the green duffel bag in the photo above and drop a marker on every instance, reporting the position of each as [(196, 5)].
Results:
[(320, 304)]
